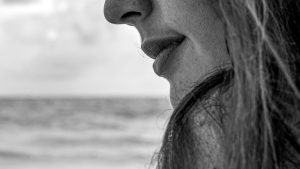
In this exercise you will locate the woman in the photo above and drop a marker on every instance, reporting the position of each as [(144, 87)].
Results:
[(233, 67)]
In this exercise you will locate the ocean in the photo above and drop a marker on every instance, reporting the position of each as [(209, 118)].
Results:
[(81, 133)]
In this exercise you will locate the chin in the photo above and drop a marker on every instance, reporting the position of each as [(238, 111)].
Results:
[(174, 102), (173, 98), (176, 95)]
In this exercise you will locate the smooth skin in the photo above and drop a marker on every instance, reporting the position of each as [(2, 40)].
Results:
[(204, 48)]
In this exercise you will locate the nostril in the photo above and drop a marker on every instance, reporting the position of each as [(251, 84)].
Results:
[(128, 12), (131, 14)]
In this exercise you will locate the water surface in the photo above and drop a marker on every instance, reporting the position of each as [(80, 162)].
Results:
[(87, 133)]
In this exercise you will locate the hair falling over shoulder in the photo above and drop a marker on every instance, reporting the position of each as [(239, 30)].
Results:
[(264, 128), (264, 43)]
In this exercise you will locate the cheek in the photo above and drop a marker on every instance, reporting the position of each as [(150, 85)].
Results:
[(204, 49), (191, 66)]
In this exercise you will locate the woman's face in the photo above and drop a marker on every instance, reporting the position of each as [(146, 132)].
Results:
[(186, 38)]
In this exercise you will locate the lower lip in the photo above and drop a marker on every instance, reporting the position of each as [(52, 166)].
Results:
[(160, 62)]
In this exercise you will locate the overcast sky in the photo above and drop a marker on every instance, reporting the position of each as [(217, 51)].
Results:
[(65, 47)]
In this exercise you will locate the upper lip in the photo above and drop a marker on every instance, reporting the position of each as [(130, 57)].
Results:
[(154, 46)]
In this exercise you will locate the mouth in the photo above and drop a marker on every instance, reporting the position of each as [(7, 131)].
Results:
[(160, 49)]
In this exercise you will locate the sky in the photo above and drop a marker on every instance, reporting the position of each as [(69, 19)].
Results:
[(67, 48)]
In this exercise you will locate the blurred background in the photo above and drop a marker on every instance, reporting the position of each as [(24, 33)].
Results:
[(76, 92)]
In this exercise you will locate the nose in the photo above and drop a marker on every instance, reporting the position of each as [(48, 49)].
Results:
[(127, 11)]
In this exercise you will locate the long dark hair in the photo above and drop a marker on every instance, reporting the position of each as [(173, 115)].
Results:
[(264, 122)]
